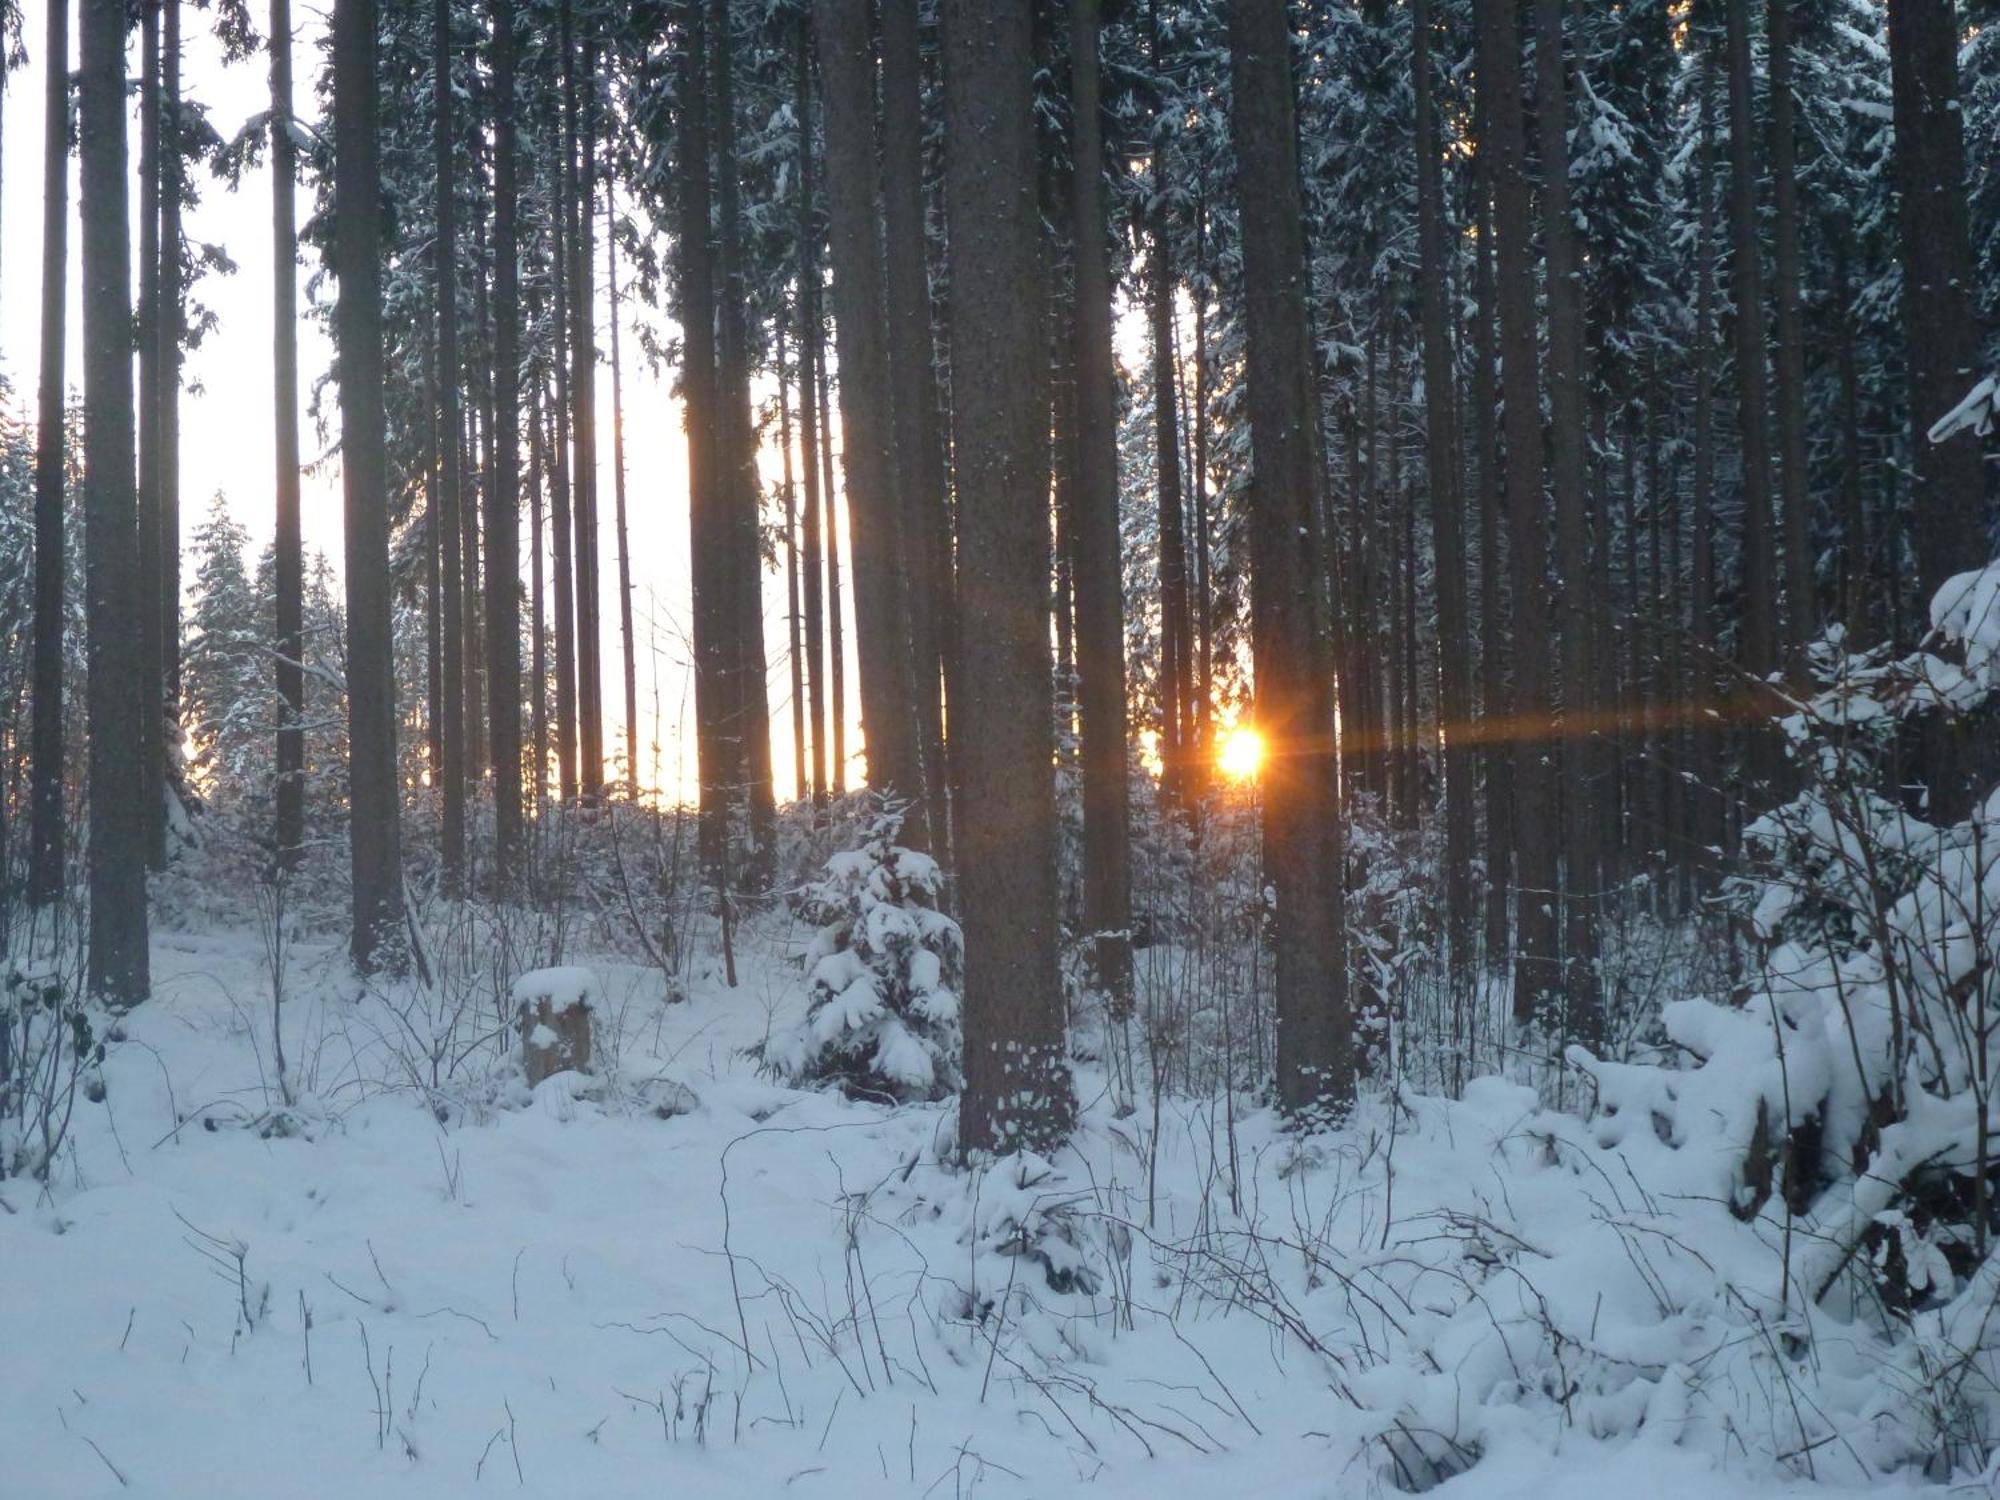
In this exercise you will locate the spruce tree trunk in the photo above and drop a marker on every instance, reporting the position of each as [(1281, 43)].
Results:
[(626, 643), (1318, 1046), (1584, 767), (716, 760), (287, 554), (1495, 710), (749, 702), (1537, 977), (1176, 678), (114, 603), (172, 317), (1018, 1094), (1704, 743), (375, 828), (835, 624), (1100, 606), (794, 645), (1940, 316), (561, 557), (1760, 579), (1801, 603), (1447, 509), (809, 405), (45, 823), (919, 454), (152, 577), (881, 593), (503, 498), (450, 497), (578, 175)]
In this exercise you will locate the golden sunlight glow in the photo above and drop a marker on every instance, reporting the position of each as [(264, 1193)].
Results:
[(1241, 754)]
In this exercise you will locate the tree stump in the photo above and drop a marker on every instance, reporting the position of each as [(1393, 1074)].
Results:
[(553, 1009)]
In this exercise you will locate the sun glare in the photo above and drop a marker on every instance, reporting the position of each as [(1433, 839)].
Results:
[(1241, 755)]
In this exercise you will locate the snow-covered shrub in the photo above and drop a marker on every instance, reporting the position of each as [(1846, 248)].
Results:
[(1841, 1103), (882, 976)]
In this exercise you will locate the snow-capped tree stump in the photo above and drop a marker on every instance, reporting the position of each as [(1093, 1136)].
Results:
[(553, 1009)]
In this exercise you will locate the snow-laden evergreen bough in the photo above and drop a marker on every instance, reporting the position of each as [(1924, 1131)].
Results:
[(883, 975)]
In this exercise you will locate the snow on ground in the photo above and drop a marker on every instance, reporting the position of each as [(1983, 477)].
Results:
[(742, 1290)]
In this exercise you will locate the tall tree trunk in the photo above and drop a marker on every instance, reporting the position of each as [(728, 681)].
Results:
[(538, 671), (1537, 977), (716, 760), (288, 560), (1697, 689), (172, 317), (1175, 675), (1940, 315), (375, 821), (1494, 626), (626, 643), (809, 404), (1760, 580), (561, 556), (1303, 856), (450, 497), (1583, 765), (1801, 605), (118, 960), (918, 452), (794, 646), (578, 176), (749, 702), (1447, 509), (1100, 608), (45, 825), (152, 575), (503, 498), (835, 625), (881, 611), (1018, 1093)]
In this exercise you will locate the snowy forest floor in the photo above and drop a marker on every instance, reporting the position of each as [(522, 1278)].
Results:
[(682, 1279)]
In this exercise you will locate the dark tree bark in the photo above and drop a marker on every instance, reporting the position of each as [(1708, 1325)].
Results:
[(288, 562), (625, 639), (1537, 976), (809, 404), (450, 496), (1582, 765), (794, 645), (1303, 837), (375, 826), (716, 760), (538, 466), (748, 693), (835, 624), (152, 574), (503, 499), (1176, 675), (172, 317), (1697, 689), (45, 823), (1447, 509), (1018, 1093), (1940, 316), (579, 174), (1494, 625), (881, 592), (1100, 611), (1789, 357), (1760, 578), (918, 451), (561, 555), (118, 960)]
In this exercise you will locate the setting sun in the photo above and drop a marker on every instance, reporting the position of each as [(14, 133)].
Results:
[(1241, 755)]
